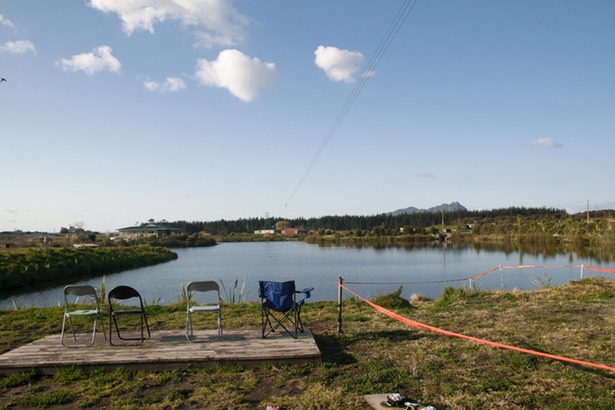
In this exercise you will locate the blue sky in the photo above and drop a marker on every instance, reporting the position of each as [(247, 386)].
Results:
[(115, 112)]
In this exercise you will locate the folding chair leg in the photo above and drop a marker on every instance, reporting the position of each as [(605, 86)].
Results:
[(63, 326), (290, 315), (144, 327), (102, 324), (72, 328), (219, 324), (189, 332), (299, 322)]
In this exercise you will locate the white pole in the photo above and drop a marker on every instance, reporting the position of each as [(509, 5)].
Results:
[(501, 277)]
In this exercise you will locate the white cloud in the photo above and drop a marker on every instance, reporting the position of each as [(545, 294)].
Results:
[(216, 22), (7, 210), (339, 65), (4, 22), (99, 59), (17, 47), (546, 143), (170, 85), (241, 75)]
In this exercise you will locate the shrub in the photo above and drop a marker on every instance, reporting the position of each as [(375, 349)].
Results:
[(451, 295), (392, 300)]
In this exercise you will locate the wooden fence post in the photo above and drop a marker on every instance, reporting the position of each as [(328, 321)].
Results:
[(339, 304)]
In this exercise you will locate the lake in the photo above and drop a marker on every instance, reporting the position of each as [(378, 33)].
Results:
[(423, 270)]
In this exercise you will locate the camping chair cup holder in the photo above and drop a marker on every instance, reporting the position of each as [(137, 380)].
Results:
[(280, 307), (117, 297), (203, 296), (81, 301)]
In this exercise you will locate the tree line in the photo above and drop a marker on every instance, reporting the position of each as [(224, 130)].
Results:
[(385, 221)]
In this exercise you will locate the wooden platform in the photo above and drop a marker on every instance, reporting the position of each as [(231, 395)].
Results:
[(165, 350)]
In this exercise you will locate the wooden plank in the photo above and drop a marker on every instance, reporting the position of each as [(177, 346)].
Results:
[(164, 350), (376, 400)]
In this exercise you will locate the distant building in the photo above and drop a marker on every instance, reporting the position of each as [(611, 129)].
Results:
[(264, 232), (293, 231), (147, 230), (85, 245)]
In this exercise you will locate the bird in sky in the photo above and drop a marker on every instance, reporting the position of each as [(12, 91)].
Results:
[(2, 80)]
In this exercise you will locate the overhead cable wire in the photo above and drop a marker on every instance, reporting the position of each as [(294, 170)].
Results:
[(387, 39)]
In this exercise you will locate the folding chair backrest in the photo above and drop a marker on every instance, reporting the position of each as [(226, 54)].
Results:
[(80, 290), (203, 286), (278, 296), (209, 293), (123, 293)]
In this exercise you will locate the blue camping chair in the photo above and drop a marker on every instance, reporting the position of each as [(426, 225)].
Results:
[(280, 308)]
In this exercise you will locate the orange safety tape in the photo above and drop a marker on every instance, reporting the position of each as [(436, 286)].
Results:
[(474, 339), (611, 271)]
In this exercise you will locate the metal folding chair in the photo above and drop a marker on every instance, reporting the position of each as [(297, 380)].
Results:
[(119, 297), (81, 301), (280, 307), (202, 304)]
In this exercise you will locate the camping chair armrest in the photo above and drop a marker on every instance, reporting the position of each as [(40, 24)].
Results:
[(306, 291)]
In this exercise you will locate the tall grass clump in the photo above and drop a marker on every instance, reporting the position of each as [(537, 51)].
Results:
[(184, 295), (103, 290), (542, 283), (392, 300), (452, 296), (234, 294)]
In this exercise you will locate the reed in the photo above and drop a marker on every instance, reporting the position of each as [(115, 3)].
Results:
[(234, 294), (542, 283), (184, 295)]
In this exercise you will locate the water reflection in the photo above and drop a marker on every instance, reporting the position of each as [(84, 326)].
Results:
[(545, 249)]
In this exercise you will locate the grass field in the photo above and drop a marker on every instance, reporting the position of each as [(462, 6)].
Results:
[(374, 354)]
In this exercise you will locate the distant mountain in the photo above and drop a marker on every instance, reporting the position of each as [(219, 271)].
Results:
[(452, 207)]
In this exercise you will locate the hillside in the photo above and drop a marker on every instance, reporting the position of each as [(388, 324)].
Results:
[(452, 207)]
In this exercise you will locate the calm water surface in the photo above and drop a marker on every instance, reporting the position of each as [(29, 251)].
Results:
[(320, 267)]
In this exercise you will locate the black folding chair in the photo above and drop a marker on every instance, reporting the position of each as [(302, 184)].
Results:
[(122, 294), (280, 307)]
